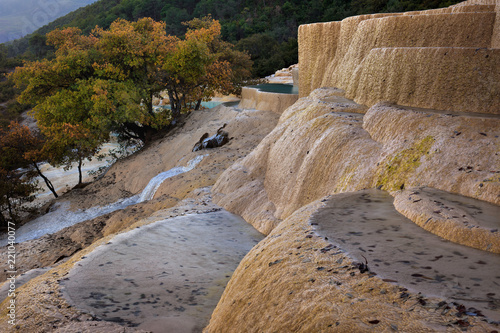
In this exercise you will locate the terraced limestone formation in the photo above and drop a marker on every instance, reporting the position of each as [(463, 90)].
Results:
[(324, 145), (436, 165), (444, 59), (407, 103), (254, 98)]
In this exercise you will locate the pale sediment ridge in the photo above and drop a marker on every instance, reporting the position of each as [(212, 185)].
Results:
[(411, 31), (252, 98), (166, 276), (442, 59), (319, 148), (368, 227), (459, 219), (470, 87), (298, 281)]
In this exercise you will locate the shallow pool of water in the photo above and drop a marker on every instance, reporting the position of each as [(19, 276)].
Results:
[(365, 224), (210, 104), (277, 88), (231, 104), (164, 277)]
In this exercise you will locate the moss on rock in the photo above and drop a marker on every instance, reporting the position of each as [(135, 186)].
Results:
[(393, 174)]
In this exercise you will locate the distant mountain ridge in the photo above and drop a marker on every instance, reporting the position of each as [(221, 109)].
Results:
[(21, 17)]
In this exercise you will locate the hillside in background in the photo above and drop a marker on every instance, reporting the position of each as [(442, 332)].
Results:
[(21, 17), (267, 29)]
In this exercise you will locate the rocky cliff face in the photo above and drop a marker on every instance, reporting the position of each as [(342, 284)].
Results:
[(322, 145), (408, 103), (443, 59)]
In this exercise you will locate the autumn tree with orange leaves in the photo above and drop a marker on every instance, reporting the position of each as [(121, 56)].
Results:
[(21, 151), (24, 149), (106, 82), (17, 173)]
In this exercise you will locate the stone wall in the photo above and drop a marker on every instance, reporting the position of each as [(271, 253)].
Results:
[(317, 47), (459, 79), (349, 48), (418, 31)]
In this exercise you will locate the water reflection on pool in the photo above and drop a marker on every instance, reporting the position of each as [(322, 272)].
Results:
[(164, 277), (366, 225)]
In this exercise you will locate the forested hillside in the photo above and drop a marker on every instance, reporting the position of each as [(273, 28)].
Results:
[(267, 29)]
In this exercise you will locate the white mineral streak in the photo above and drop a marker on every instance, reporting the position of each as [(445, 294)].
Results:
[(61, 216)]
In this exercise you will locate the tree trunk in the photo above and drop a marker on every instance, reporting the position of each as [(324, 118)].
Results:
[(47, 181), (198, 104), (174, 105), (80, 177), (3, 220), (133, 131), (149, 133), (150, 104)]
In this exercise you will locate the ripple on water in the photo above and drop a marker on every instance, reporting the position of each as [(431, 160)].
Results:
[(167, 275), (365, 223)]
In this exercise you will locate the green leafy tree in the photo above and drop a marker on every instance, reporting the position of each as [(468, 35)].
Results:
[(239, 61), (192, 72), (128, 76), (173, 17), (265, 52), (106, 81), (61, 91), (38, 46), (14, 192)]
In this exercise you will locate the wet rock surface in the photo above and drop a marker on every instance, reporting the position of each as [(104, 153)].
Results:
[(167, 275), (298, 281), (367, 227), (40, 305), (460, 219)]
